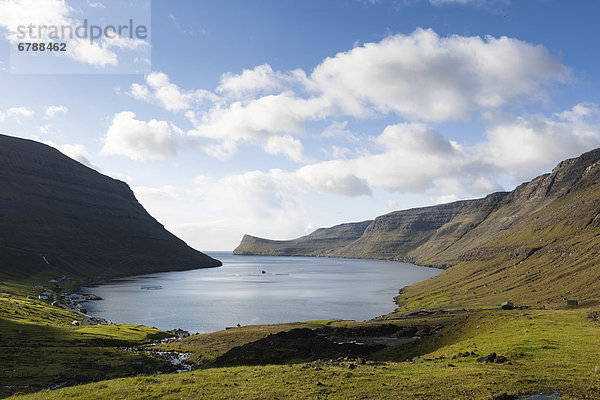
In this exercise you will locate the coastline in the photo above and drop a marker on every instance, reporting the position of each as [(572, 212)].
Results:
[(369, 317)]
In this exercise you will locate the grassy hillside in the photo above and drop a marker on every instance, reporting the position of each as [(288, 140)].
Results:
[(40, 347), (547, 352)]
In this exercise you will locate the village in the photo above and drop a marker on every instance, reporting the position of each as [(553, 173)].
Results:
[(59, 297)]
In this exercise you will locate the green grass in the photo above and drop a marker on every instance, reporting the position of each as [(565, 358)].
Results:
[(207, 347), (39, 346), (548, 350)]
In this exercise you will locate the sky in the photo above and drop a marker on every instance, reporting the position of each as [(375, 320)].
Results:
[(277, 117)]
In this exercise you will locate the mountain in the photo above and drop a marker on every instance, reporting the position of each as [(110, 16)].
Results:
[(538, 244), (60, 217), (321, 242)]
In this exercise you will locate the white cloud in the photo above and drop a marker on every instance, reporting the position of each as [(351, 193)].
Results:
[(17, 113), (287, 145), (523, 146), (20, 112), (414, 158), (338, 129), (36, 12), (260, 79), (264, 120), (139, 140), (419, 77), (51, 111), (171, 97), (92, 53), (167, 93), (422, 76), (333, 177)]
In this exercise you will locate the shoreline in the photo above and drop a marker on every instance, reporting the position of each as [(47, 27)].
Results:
[(88, 288)]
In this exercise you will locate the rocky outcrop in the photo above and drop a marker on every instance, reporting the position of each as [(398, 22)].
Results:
[(60, 216)]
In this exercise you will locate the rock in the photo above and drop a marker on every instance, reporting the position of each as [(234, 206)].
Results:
[(500, 359), (451, 365), (487, 359), (179, 333), (75, 323), (351, 366)]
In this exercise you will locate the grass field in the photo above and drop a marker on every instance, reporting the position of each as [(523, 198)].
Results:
[(548, 351), (40, 347)]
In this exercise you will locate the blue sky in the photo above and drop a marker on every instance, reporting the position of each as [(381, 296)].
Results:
[(277, 117)]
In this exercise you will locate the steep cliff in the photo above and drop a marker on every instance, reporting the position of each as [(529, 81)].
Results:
[(58, 216), (322, 242)]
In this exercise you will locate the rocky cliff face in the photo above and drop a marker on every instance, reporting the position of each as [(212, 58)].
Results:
[(539, 243), (322, 242), (61, 217)]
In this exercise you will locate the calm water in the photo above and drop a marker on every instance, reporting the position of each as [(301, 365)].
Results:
[(292, 289)]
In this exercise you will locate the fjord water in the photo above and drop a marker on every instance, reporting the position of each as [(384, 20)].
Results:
[(291, 289)]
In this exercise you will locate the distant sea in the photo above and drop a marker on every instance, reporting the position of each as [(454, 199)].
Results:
[(290, 289)]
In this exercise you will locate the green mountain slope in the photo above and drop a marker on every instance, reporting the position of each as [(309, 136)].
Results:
[(58, 216), (539, 243)]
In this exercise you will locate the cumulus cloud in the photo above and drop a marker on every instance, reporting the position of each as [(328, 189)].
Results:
[(523, 146), (139, 140), (159, 89), (415, 158), (17, 113), (419, 77), (423, 76), (261, 78), (287, 145), (51, 111), (271, 120)]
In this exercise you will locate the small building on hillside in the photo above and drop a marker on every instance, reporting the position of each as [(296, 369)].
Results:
[(572, 303), (507, 305)]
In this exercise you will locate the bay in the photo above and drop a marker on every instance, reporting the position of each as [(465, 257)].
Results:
[(290, 289)]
